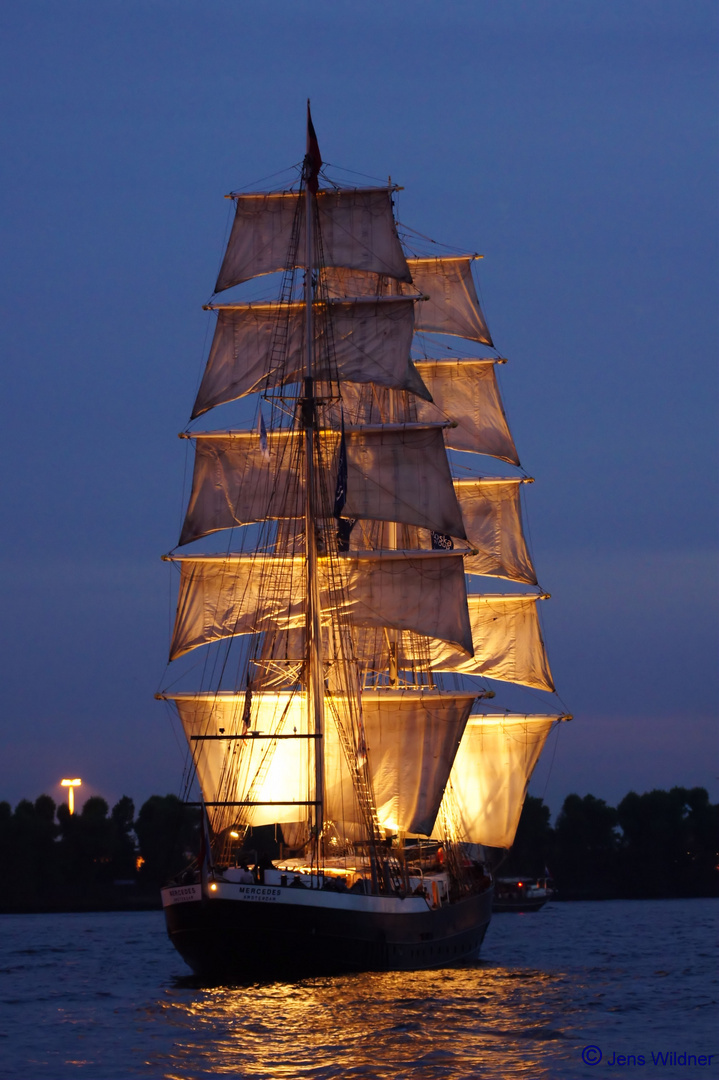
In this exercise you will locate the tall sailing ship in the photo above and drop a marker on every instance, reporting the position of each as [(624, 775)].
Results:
[(345, 638)]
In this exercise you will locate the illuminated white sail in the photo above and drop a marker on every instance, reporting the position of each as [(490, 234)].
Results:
[(448, 298), (507, 643), (403, 590), (241, 477), (492, 517), (357, 229), (394, 473), (411, 739), (258, 346), (235, 766), (506, 637), (465, 396), (453, 307), (465, 392), (490, 774), (226, 596), (400, 473)]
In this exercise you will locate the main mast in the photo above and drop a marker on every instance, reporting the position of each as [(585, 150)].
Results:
[(315, 679)]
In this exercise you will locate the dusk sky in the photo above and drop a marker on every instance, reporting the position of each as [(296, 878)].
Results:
[(572, 143)]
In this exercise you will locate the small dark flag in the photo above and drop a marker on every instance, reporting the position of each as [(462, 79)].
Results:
[(341, 488), (264, 446), (442, 542), (344, 528), (344, 525), (313, 158), (247, 711)]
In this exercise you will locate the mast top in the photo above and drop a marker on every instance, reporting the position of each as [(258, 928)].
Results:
[(313, 158)]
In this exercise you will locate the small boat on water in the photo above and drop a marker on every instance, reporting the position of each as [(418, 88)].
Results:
[(521, 894), (348, 648)]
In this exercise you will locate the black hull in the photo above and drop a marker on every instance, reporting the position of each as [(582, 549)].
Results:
[(246, 941)]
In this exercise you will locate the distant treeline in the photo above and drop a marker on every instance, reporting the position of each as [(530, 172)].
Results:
[(95, 859), (661, 844)]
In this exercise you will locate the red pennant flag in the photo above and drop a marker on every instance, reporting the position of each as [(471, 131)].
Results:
[(313, 158)]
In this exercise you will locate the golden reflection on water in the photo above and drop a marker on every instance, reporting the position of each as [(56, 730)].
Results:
[(465, 1022)]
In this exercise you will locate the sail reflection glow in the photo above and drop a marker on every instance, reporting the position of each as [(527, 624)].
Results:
[(464, 1022)]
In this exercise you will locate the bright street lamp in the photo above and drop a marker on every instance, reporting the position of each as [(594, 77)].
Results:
[(71, 784)]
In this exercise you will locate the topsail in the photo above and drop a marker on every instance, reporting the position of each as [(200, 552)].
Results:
[(237, 480), (269, 234), (260, 346)]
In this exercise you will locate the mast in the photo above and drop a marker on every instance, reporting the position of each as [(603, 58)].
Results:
[(315, 681), (392, 635)]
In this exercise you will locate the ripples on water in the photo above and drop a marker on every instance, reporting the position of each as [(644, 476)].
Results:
[(104, 996)]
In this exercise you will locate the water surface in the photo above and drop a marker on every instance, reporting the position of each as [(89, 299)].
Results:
[(105, 996)]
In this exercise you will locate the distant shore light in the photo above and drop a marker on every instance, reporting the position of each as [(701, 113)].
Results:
[(71, 784)]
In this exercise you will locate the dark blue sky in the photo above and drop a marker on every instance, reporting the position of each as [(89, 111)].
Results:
[(573, 143)]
